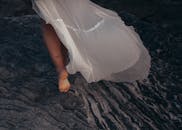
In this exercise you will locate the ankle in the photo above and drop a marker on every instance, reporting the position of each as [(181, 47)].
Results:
[(60, 70), (63, 74)]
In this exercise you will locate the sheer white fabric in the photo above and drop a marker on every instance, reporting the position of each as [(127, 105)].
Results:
[(100, 45)]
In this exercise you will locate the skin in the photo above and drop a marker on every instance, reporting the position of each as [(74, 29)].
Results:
[(58, 53)]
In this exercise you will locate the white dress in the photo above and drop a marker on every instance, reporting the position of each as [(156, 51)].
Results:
[(100, 45)]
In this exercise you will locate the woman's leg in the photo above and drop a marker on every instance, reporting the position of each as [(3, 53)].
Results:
[(58, 55)]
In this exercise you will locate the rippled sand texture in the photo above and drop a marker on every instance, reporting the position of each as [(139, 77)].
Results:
[(30, 100)]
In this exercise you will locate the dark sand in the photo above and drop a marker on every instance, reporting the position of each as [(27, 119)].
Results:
[(30, 100)]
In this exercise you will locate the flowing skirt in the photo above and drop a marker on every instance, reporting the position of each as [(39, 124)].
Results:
[(100, 45)]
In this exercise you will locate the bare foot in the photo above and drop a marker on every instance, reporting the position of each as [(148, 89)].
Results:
[(64, 84)]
